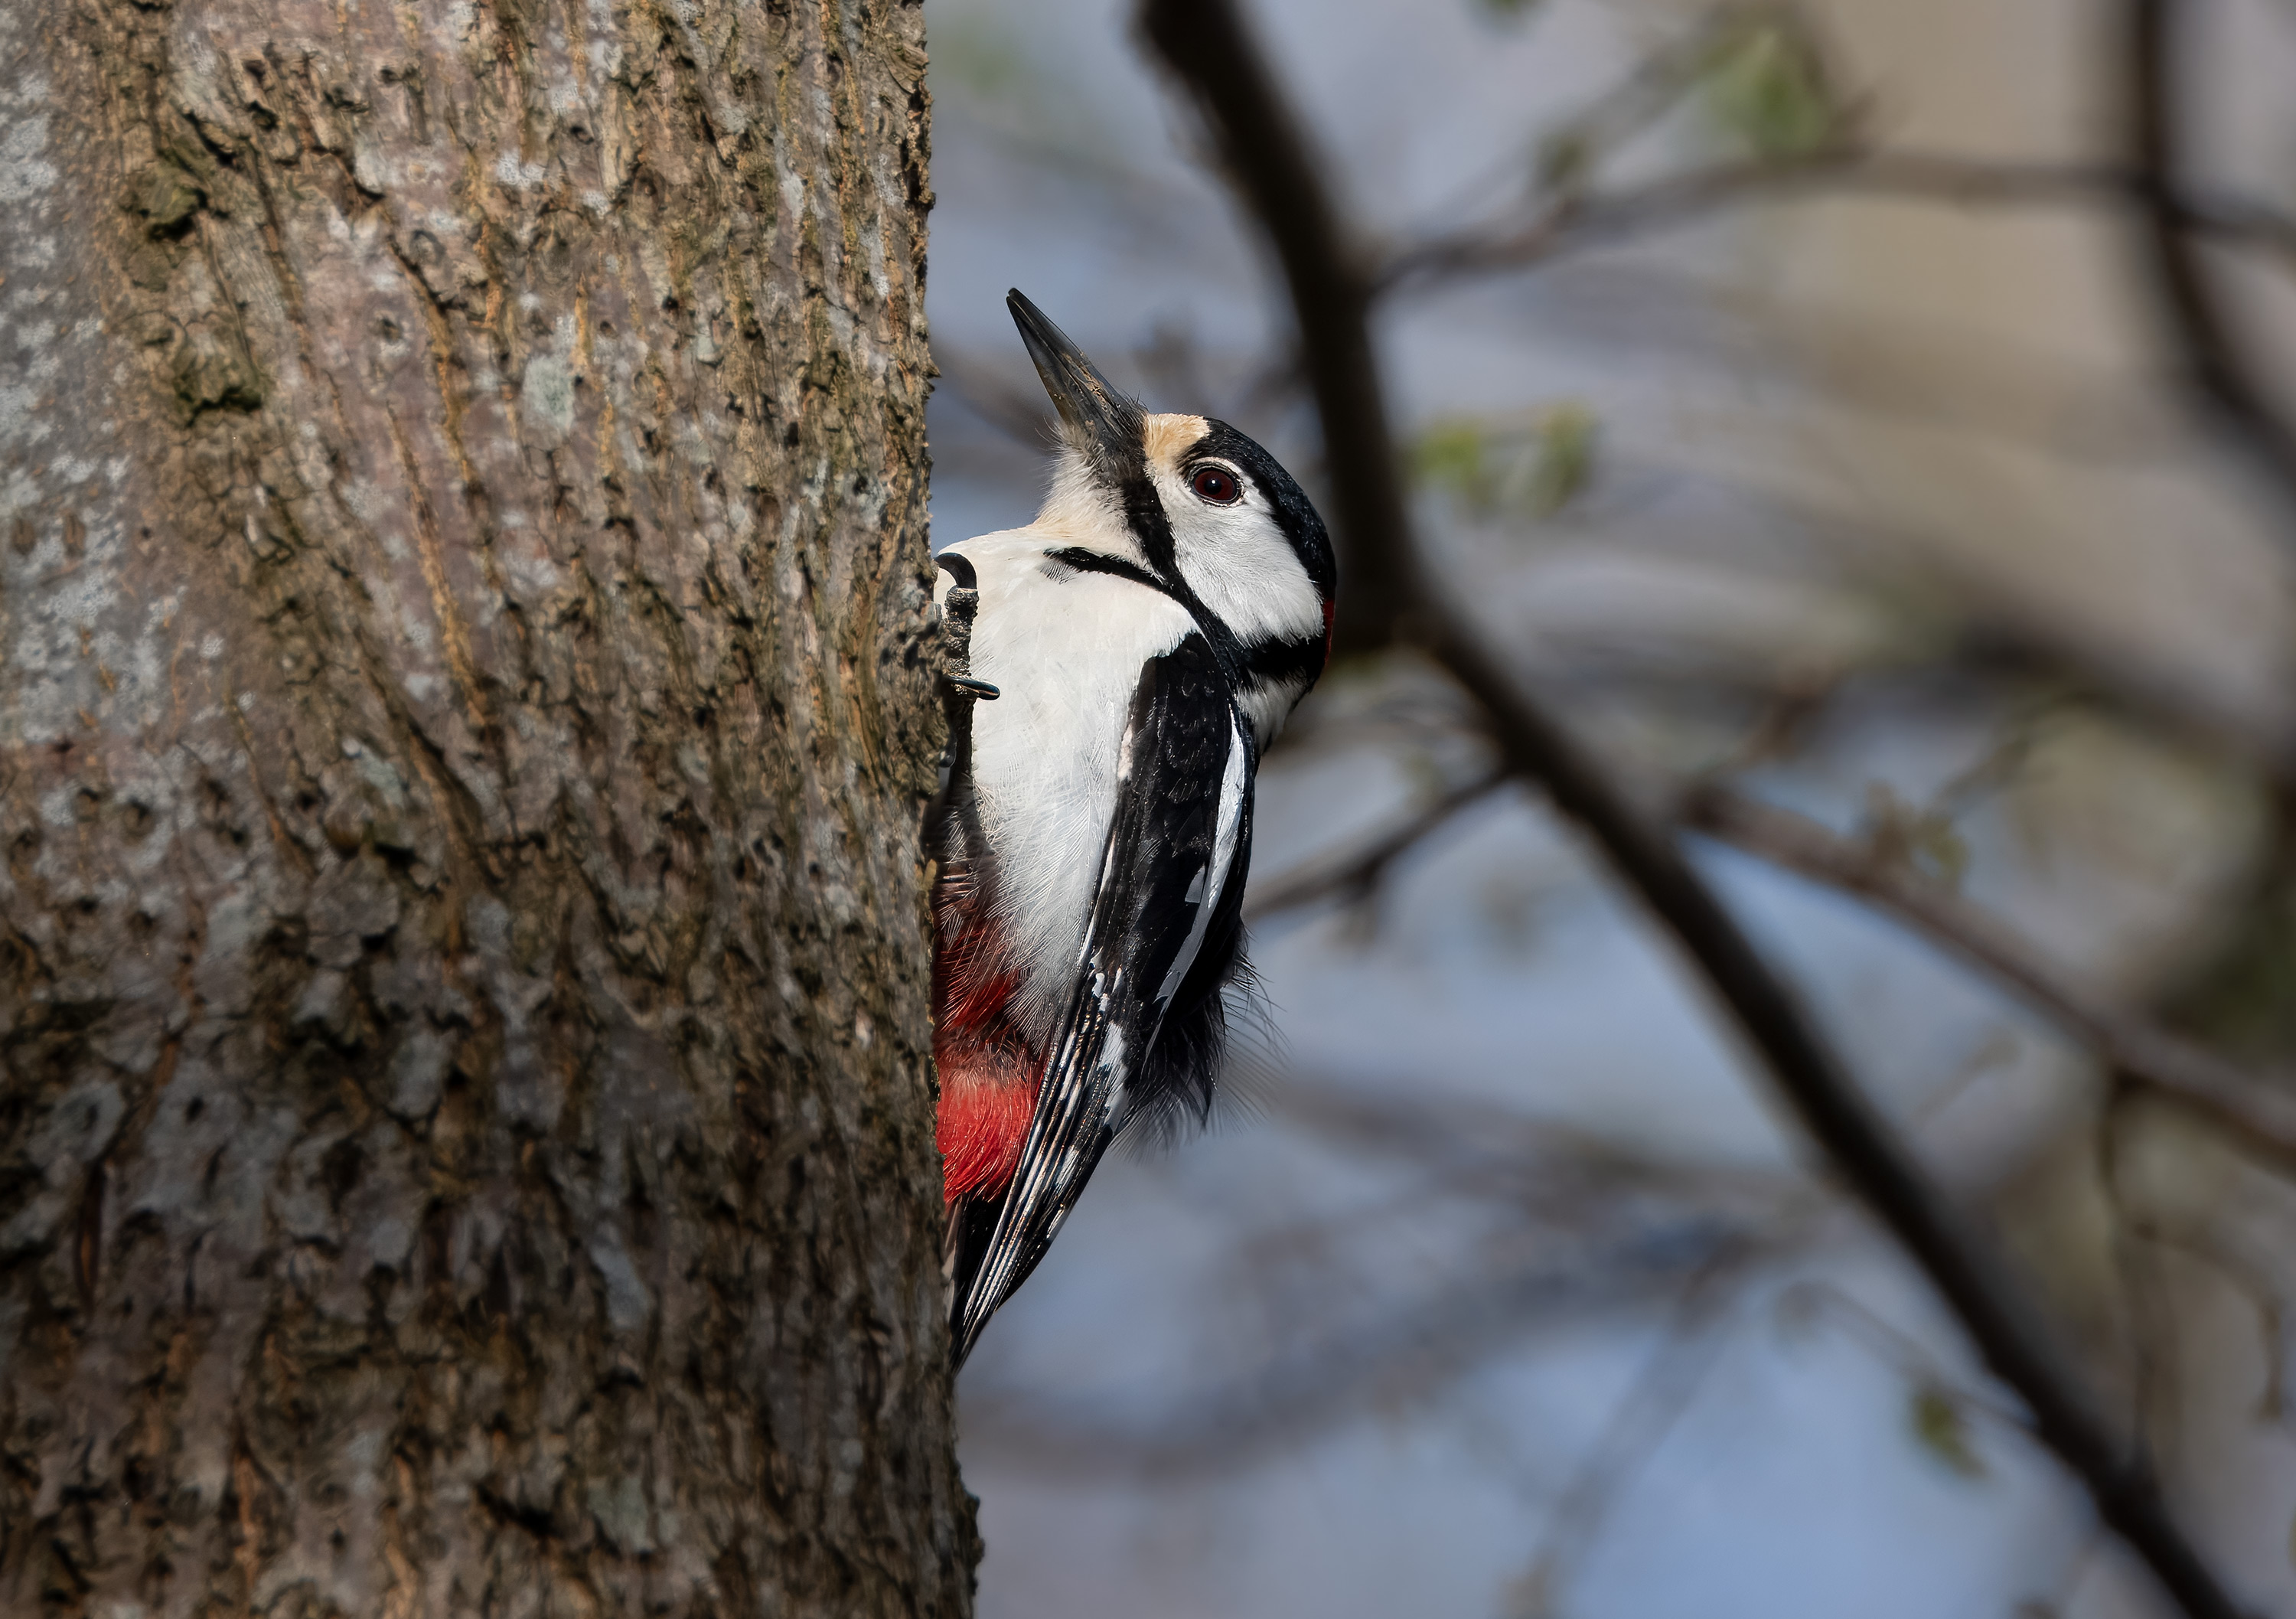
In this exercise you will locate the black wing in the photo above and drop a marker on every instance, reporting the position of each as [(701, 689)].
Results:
[(1179, 834)]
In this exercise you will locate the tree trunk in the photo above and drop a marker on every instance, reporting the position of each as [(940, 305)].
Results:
[(466, 1137)]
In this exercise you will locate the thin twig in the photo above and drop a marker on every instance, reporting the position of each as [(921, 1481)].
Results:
[(1639, 1424), (1809, 1302), (1208, 49), (2259, 1293), (1359, 869), (2248, 1106), (1574, 220), (1014, 412), (1308, 1389), (1550, 1170)]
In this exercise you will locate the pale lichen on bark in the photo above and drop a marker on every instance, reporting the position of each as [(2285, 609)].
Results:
[(465, 1137)]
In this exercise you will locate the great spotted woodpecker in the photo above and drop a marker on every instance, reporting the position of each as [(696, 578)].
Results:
[(1116, 669)]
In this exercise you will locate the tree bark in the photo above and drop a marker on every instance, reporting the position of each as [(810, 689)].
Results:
[(466, 1140)]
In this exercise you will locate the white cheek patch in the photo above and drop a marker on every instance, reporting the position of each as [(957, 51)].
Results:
[(1239, 562)]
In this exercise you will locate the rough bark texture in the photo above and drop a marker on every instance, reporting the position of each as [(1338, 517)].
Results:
[(465, 1142)]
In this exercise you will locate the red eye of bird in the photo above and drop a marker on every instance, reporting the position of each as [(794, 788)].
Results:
[(1216, 484)]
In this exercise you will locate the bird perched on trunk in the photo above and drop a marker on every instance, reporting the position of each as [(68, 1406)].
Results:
[(1116, 669)]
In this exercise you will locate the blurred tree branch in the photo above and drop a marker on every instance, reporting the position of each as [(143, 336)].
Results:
[(2212, 348), (2251, 1107), (2248, 1106), (1333, 283), (1333, 286), (1574, 218), (1359, 870)]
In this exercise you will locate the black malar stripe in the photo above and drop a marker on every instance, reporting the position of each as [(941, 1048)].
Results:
[(1086, 561), (1294, 662)]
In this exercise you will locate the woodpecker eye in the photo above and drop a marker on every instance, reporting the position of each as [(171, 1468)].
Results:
[(1216, 484)]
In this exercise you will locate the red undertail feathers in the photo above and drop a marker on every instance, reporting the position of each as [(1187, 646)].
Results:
[(989, 1071)]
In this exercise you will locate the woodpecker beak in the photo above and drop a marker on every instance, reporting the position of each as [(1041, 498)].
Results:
[(1109, 424)]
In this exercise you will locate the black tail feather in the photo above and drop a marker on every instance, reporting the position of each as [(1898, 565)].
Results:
[(972, 1222)]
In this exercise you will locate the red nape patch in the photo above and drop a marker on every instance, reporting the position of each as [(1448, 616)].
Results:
[(983, 1123)]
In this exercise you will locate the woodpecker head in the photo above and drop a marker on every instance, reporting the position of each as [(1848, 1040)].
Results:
[(1202, 511)]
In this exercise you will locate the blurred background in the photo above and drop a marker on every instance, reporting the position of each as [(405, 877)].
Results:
[(1878, 507)]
